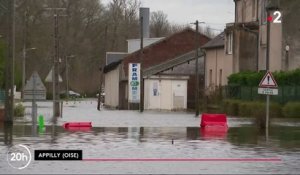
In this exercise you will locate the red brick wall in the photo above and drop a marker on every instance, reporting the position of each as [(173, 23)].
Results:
[(168, 48)]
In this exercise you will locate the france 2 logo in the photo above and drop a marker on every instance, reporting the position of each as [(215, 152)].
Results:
[(277, 17)]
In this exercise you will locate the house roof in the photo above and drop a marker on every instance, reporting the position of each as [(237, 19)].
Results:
[(111, 66), (114, 57), (171, 63), (165, 49), (218, 41)]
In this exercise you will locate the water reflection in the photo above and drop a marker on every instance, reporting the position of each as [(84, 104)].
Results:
[(8, 133), (214, 132), (288, 137), (163, 142)]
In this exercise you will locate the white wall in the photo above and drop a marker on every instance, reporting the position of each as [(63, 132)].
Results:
[(168, 91), (135, 44), (111, 88)]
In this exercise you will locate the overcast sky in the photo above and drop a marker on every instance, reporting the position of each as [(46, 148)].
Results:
[(216, 13)]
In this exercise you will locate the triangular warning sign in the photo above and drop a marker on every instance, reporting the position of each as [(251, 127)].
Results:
[(268, 81), (48, 79), (34, 83)]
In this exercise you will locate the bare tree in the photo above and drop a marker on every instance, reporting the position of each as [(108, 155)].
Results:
[(159, 24), (87, 29)]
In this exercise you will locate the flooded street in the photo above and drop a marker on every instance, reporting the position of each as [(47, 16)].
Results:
[(154, 135)]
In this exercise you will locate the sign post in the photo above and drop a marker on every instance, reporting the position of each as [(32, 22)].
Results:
[(268, 86), (34, 90), (134, 83)]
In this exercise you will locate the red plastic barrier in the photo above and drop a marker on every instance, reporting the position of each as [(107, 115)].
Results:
[(213, 120), (74, 129), (77, 124)]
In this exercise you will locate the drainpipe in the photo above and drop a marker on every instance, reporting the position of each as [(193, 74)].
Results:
[(257, 6), (234, 60), (257, 36), (235, 11)]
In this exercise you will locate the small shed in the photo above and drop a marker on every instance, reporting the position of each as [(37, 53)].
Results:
[(166, 85), (165, 92)]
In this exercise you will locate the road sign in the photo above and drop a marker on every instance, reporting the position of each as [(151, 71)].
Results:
[(268, 81), (34, 88), (49, 77), (267, 91)]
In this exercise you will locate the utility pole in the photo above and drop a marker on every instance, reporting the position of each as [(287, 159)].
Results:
[(67, 77), (10, 62), (24, 54), (102, 69), (56, 109), (141, 67), (56, 62), (267, 69), (197, 46), (197, 71), (67, 74)]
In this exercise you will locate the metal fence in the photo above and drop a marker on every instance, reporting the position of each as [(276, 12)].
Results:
[(285, 93)]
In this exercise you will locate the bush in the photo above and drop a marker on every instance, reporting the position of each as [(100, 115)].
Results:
[(291, 109), (19, 110)]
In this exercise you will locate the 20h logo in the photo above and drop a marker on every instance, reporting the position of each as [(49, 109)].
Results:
[(19, 156)]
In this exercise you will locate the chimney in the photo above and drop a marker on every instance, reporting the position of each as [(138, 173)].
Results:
[(145, 13)]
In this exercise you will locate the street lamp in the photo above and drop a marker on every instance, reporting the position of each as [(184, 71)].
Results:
[(23, 68), (67, 73)]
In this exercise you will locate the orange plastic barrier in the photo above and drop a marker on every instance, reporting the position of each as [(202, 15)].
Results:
[(213, 120)]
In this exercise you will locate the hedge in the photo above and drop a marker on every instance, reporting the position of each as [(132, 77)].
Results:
[(250, 109), (248, 78), (291, 110)]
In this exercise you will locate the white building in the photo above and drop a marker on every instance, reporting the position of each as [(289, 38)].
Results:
[(135, 44)]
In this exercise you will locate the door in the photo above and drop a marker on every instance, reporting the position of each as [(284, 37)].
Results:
[(179, 90), (154, 94)]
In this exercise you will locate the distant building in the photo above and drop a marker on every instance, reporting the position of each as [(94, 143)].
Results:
[(114, 57), (218, 63), (247, 36), (135, 44), (157, 53), (170, 85)]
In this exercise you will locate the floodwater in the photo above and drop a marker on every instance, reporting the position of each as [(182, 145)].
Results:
[(243, 141)]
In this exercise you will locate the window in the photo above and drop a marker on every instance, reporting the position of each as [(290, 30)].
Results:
[(220, 77), (210, 77), (229, 40)]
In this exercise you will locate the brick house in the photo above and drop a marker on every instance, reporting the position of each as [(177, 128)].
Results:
[(161, 51)]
